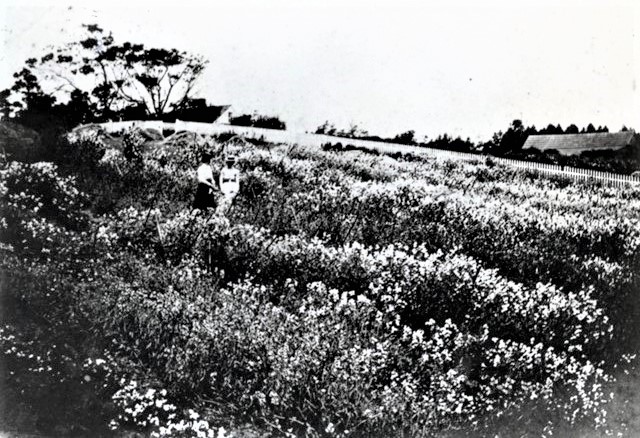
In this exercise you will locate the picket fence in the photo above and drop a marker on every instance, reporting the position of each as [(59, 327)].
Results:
[(317, 140)]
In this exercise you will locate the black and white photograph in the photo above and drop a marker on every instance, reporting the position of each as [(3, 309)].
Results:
[(319, 218)]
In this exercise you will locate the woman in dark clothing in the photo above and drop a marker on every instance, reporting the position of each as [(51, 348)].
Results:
[(204, 194)]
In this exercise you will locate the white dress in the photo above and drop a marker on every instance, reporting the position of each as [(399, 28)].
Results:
[(229, 182)]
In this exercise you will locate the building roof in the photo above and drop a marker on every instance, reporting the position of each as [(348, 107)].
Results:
[(575, 144), (200, 113)]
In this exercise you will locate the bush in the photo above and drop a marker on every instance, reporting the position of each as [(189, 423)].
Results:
[(132, 146), (258, 121), (31, 193), (82, 150), (332, 147), (20, 143), (490, 162)]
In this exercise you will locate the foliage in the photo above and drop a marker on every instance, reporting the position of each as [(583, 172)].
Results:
[(132, 146), (338, 296), (449, 143), (405, 138), (508, 143), (101, 78), (20, 143), (36, 198), (81, 150), (258, 121)]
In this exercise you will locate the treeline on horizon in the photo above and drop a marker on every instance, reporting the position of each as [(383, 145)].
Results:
[(509, 144), (501, 142)]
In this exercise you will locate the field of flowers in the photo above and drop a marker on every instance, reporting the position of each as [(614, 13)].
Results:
[(342, 294)]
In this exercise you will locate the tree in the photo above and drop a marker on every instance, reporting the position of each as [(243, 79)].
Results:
[(6, 106), (326, 128), (572, 129), (79, 109), (26, 103), (355, 131), (112, 77), (452, 144), (549, 130), (26, 93), (405, 138), (591, 129), (241, 120), (530, 130), (492, 146), (269, 123), (258, 121), (513, 139)]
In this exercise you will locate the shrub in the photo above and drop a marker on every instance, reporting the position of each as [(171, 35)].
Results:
[(35, 195), (332, 147), (258, 121), (132, 146), (82, 150), (490, 162), (20, 143)]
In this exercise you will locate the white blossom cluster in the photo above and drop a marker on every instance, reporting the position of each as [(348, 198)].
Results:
[(149, 408)]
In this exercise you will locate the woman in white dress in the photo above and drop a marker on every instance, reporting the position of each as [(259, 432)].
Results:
[(229, 179)]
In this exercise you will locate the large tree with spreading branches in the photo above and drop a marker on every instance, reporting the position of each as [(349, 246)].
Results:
[(106, 77)]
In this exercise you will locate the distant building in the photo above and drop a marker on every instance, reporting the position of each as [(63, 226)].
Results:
[(225, 114), (575, 144), (198, 111)]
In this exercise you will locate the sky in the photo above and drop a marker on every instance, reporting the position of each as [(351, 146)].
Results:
[(462, 67)]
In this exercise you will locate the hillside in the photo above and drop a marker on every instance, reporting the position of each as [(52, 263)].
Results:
[(342, 294)]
